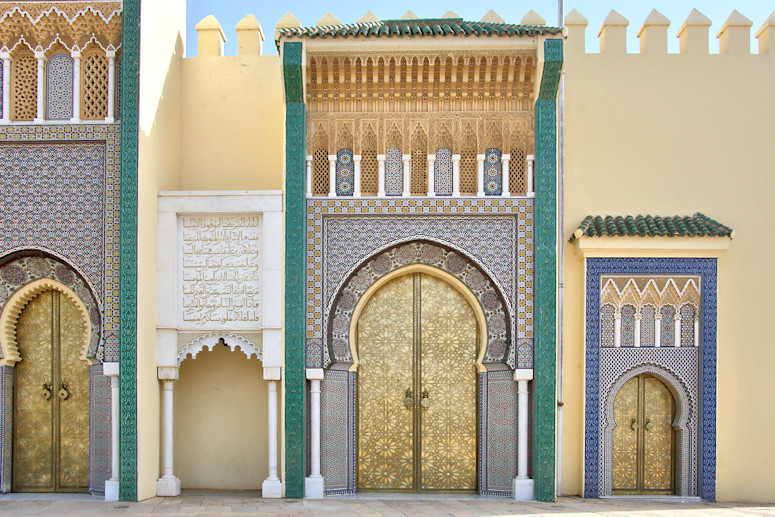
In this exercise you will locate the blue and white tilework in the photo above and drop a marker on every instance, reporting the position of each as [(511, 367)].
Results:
[(345, 172), (337, 431), (99, 429), (442, 172), (493, 172), (59, 87), (394, 172), (689, 372), (498, 434), (628, 325)]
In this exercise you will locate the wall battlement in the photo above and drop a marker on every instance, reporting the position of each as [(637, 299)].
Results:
[(210, 37), (734, 36)]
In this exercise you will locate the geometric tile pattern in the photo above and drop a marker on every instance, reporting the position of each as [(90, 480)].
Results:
[(99, 430), (337, 431), (693, 371), (442, 172), (498, 435), (59, 87), (345, 175), (647, 335), (494, 234), (668, 325), (607, 325), (493, 172), (415, 252), (628, 325), (394, 172), (687, 325)]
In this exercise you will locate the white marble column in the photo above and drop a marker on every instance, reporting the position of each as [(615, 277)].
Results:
[(637, 329), (530, 166), (309, 176), (617, 330), (314, 485), (331, 175), (272, 487), (407, 175), (431, 175), (6, 57), (76, 55), (677, 324), (523, 486), (40, 56), (455, 175), (381, 175), (505, 163), (657, 330), (110, 370), (480, 175), (167, 485), (111, 85), (357, 173)]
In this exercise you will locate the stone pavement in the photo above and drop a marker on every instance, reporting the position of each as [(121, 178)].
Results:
[(211, 503)]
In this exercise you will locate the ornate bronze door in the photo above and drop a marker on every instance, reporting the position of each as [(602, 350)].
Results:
[(417, 388), (643, 439), (51, 399)]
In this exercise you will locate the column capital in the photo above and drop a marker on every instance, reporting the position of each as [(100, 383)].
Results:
[(5, 55), (406, 157), (168, 373), (315, 374), (40, 54), (380, 157), (505, 157), (75, 54), (480, 158), (455, 157), (272, 373), (431, 157), (523, 374), (110, 369), (110, 53), (356, 157)]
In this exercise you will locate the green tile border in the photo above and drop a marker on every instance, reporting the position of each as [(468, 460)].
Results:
[(295, 174), (130, 82), (545, 312)]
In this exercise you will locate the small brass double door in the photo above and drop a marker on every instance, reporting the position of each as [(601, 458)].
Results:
[(417, 388), (51, 399), (643, 458)]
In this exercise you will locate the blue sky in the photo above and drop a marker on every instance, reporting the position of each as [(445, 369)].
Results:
[(229, 12)]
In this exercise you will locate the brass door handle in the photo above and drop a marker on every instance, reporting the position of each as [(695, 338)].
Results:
[(646, 425), (47, 387), (634, 424), (425, 401), (63, 393), (408, 398)]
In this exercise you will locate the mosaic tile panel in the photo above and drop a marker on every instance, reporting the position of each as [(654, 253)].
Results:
[(496, 234), (337, 431), (442, 172), (6, 430), (687, 325), (493, 172), (607, 319), (59, 87), (693, 368), (628, 326), (647, 335), (99, 430), (345, 173), (420, 252), (394, 172), (667, 335), (498, 440)]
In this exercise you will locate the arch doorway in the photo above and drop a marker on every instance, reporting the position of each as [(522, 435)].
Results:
[(417, 425), (51, 398), (644, 439)]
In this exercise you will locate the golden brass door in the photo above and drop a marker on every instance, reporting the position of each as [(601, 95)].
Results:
[(51, 399), (417, 388), (643, 439)]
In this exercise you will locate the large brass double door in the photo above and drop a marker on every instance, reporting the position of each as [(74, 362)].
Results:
[(643, 439), (417, 343), (51, 399)]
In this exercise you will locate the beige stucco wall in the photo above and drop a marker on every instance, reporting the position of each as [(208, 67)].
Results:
[(220, 421), (161, 49), (232, 123), (672, 135)]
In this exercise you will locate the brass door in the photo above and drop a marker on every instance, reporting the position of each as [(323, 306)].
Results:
[(643, 439), (417, 388), (51, 399)]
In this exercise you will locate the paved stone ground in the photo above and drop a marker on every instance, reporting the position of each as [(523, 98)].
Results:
[(212, 503)]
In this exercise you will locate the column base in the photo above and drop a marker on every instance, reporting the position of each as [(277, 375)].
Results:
[(314, 488), (111, 490), (168, 487), (272, 489), (523, 489)]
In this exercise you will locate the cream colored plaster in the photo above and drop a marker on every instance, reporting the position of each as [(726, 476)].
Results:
[(232, 123), (161, 49), (220, 412), (674, 134)]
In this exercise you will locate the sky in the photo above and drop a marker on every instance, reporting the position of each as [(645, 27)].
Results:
[(229, 12)]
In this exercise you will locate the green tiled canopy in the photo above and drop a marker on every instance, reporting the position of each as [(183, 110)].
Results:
[(421, 27), (697, 225)]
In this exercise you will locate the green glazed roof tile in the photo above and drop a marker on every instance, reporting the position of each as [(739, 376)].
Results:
[(427, 27), (697, 225)]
